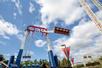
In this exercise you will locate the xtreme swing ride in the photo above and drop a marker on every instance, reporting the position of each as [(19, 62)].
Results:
[(31, 29), (45, 32)]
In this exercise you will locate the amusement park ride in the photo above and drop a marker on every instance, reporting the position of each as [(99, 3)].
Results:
[(91, 13), (31, 29), (98, 4)]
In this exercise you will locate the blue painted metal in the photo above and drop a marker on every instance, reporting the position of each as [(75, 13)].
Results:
[(56, 60), (51, 59), (100, 0), (18, 60), (11, 61), (0, 65)]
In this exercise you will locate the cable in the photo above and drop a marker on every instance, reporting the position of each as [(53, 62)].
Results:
[(27, 48)]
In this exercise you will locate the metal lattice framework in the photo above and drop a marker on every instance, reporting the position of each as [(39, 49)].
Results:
[(33, 29), (91, 14), (98, 4)]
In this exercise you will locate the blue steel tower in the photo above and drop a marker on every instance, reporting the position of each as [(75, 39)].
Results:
[(19, 56), (50, 55)]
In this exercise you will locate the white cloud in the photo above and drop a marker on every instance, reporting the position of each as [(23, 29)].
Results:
[(85, 37), (67, 10), (18, 5), (39, 43), (31, 8), (85, 40), (14, 14), (58, 51), (7, 56), (77, 14), (6, 28), (60, 41), (99, 14), (20, 36), (31, 52)]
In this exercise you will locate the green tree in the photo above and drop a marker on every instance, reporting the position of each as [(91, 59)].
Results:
[(35, 61), (100, 58), (63, 63), (1, 57)]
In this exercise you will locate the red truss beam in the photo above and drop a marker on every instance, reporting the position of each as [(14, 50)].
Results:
[(66, 51), (32, 28)]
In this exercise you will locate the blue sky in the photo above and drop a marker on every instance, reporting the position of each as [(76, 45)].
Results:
[(16, 15)]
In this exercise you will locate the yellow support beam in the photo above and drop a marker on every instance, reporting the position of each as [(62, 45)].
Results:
[(98, 4), (91, 14)]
